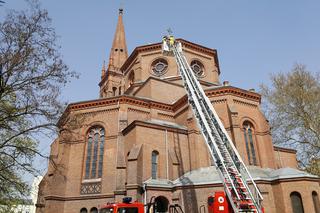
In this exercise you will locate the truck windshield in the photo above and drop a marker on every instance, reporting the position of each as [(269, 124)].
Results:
[(107, 210), (128, 210)]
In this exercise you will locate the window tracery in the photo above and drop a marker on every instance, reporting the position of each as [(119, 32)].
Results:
[(159, 66), (154, 165), (249, 142), (197, 68), (95, 150)]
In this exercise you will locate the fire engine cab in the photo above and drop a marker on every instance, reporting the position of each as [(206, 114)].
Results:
[(125, 207)]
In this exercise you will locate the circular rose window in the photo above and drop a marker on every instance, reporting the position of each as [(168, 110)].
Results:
[(197, 68), (159, 66)]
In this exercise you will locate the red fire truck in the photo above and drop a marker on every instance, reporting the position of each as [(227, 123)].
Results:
[(216, 204)]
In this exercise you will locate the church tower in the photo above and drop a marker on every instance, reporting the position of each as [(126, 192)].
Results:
[(111, 77)]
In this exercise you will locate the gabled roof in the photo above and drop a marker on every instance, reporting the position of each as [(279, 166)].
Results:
[(157, 46)]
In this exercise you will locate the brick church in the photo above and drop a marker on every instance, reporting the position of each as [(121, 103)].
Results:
[(140, 139)]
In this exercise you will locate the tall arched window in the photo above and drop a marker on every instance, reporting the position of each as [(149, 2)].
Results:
[(316, 202), (95, 149), (154, 165), (248, 137), (296, 202)]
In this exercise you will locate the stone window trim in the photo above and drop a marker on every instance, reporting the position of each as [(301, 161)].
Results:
[(91, 180)]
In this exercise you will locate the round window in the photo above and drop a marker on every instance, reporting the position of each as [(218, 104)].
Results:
[(197, 68), (159, 66)]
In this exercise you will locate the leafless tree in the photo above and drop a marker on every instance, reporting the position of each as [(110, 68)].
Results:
[(32, 74)]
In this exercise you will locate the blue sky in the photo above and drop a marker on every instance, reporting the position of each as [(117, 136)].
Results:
[(253, 38)]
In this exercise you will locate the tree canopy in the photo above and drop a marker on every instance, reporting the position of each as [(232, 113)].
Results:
[(32, 73), (292, 103)]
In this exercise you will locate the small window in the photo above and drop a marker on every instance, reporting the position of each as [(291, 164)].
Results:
[(154, 165), (197, 68), (131, 78), (159, 66), (114, 90), (94, 210), (83, 210), (296, 202)]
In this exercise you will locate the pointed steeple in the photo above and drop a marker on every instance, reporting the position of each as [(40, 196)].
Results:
[(119, 52)]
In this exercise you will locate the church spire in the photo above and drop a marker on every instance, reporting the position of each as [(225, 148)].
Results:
[(119, 52)]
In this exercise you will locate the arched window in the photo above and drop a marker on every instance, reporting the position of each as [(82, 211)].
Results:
[(94, 210), (316, 202), (131, 78), (161, 204), (119, 90), (95, 150), (248, 137), (154, 167), (114, 91), (296, 202), (83, 210)]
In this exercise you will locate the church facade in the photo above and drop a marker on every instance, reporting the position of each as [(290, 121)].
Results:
[(140, 139)]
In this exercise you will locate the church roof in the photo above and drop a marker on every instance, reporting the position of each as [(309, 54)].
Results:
[(157, 46), (209, 175)]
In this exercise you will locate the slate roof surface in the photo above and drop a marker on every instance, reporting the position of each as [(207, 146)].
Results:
[(209, 175)]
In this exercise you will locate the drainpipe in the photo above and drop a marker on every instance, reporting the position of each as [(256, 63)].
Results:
[(167, 157), (145, 197)]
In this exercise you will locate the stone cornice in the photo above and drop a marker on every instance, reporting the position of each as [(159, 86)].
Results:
[(154, 126), (148, 103), (82, 197), (229, 90), (282, 149)]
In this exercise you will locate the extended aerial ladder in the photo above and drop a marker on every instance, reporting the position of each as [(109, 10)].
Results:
[(233, 172)]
